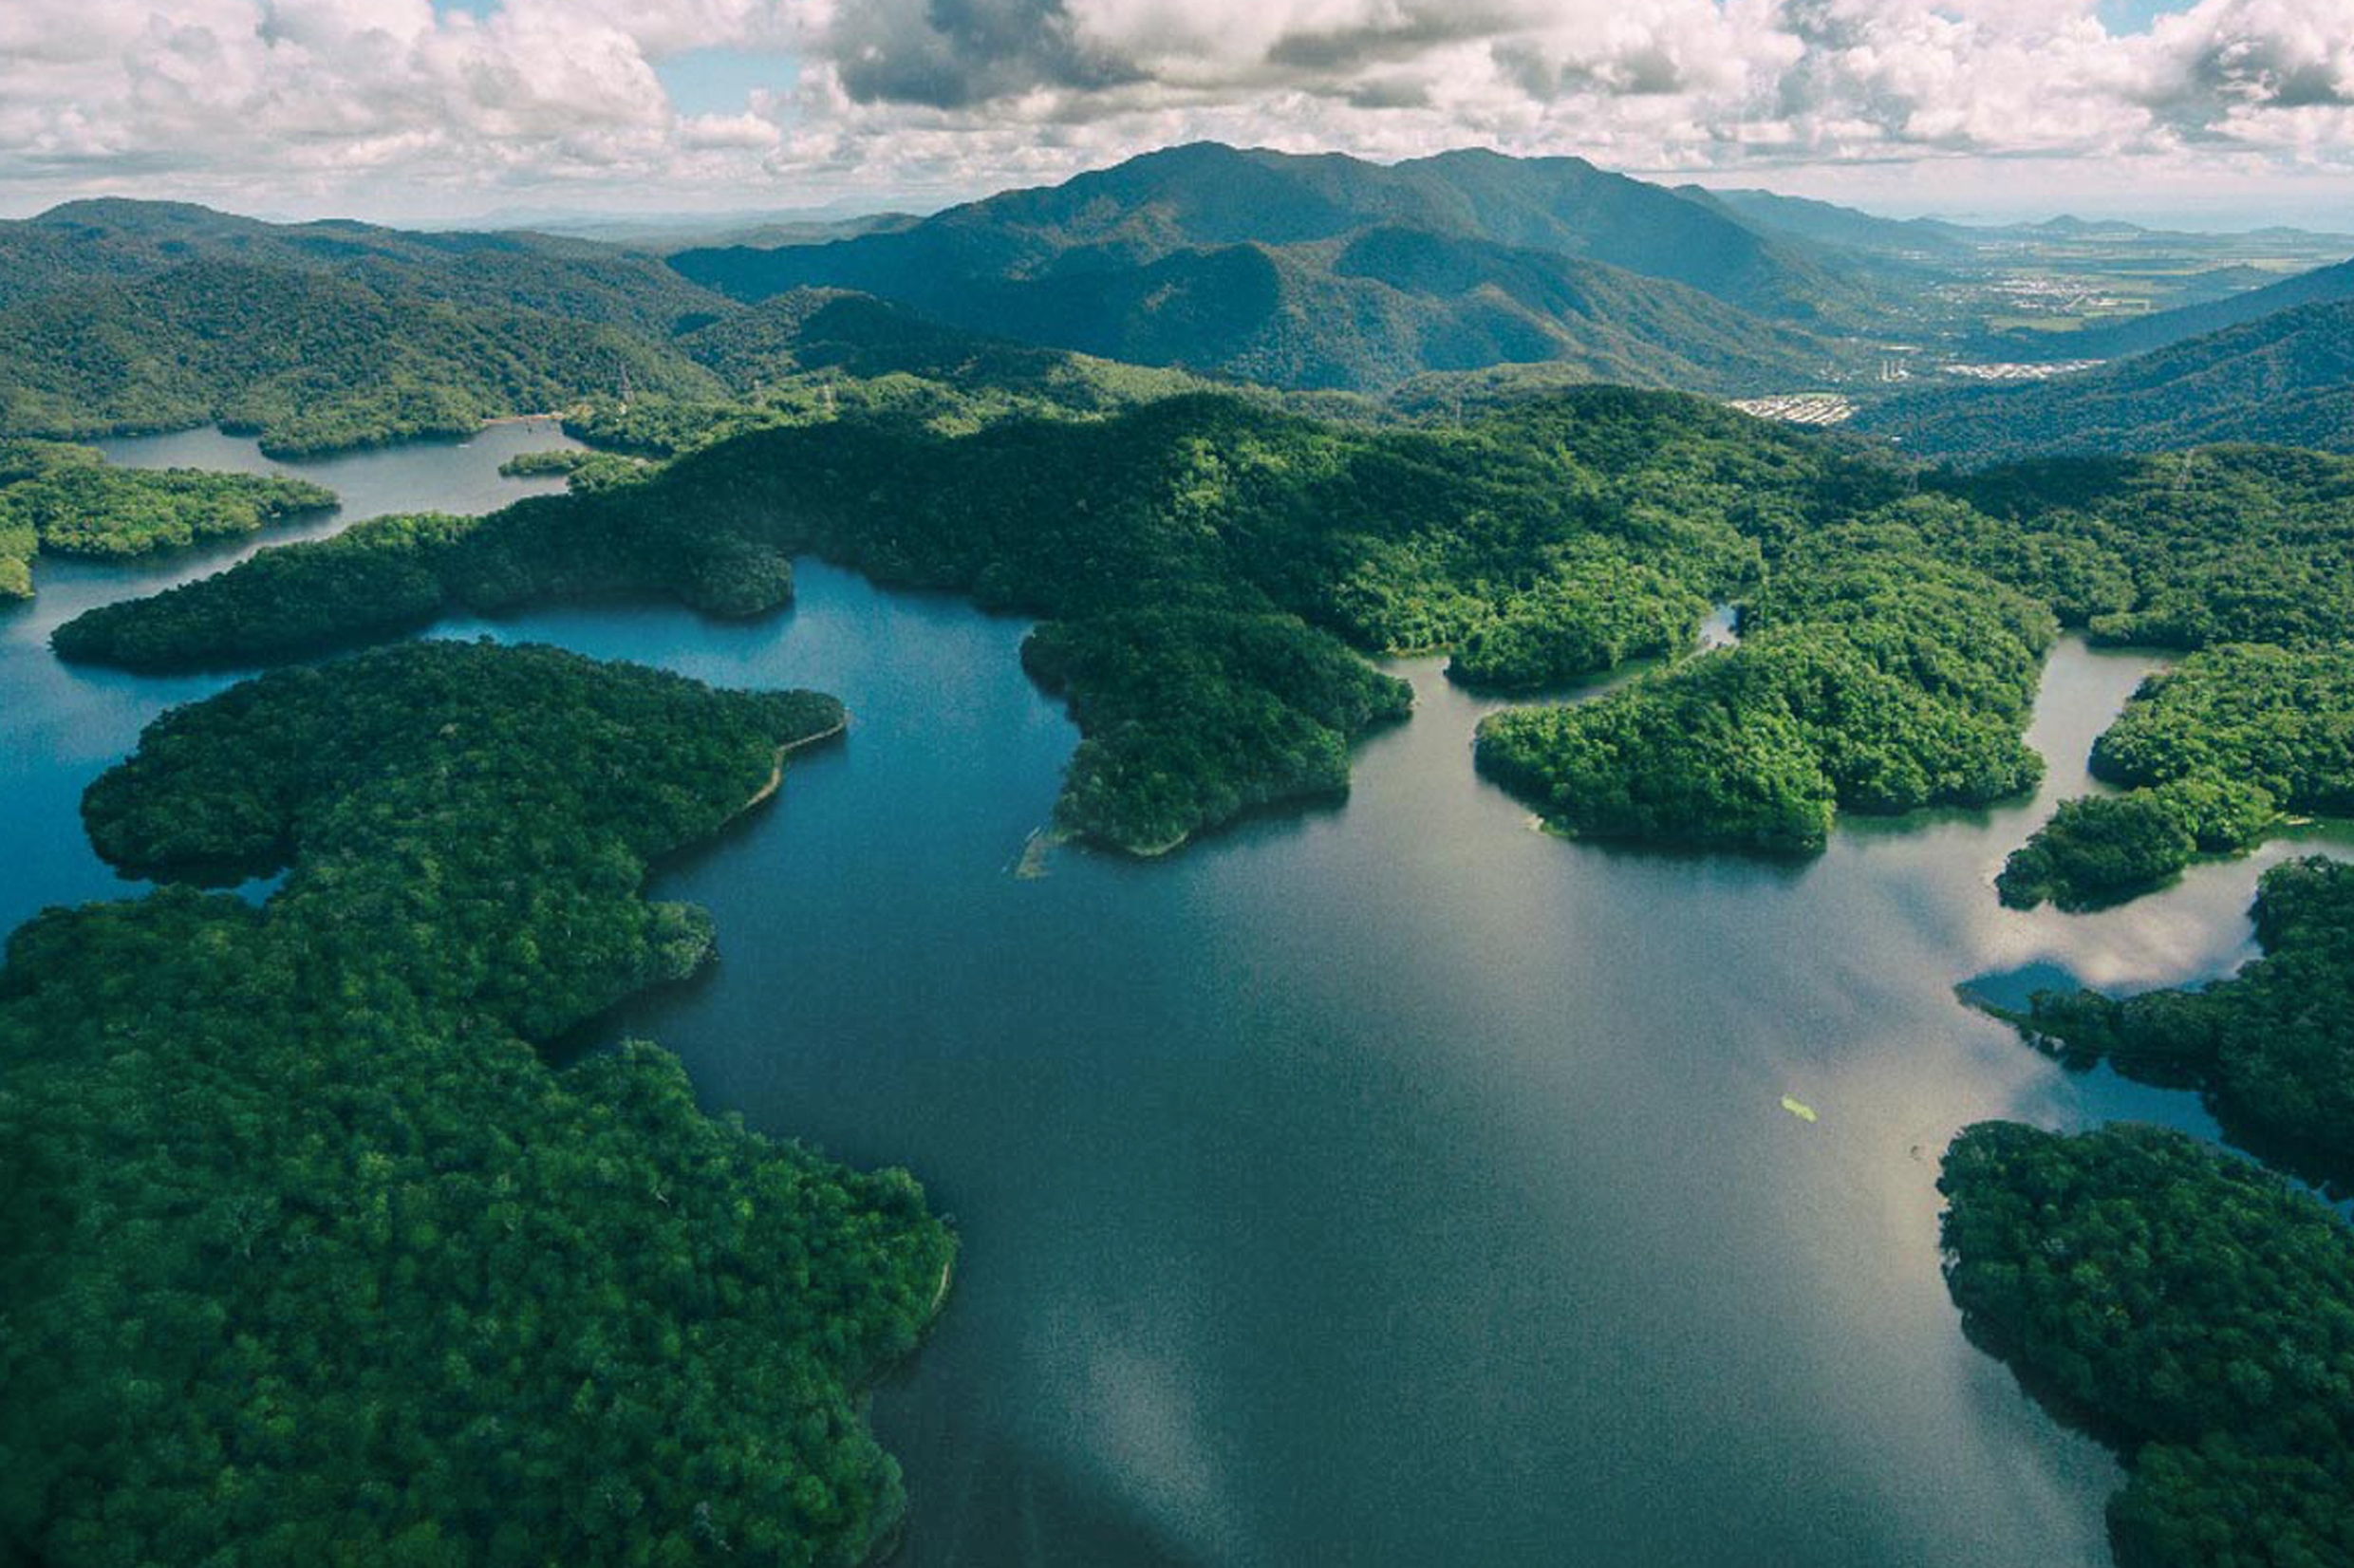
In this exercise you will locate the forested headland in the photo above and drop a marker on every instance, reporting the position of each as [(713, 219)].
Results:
[(1893, 631), (2212, 755), (2245, 553), (2271, 1048), (67, 500), (2191, 1306), (313, 1258)]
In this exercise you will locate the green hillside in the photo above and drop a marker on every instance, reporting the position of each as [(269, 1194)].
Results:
[(2288, 379), (137, 316)]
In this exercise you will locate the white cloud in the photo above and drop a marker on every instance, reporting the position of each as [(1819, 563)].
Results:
[(389, 103)]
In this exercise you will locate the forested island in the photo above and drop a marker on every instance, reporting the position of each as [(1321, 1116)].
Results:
[(67, 500), (315, 1257), (2190, 1305)]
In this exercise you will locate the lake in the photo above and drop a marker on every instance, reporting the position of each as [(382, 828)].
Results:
[(1386, 1184)]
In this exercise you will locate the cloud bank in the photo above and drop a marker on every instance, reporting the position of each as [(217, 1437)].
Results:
[(395, 105)]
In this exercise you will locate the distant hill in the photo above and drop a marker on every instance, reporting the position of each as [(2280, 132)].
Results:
[(111, 239), (2323, 285), (130, 316), (1921, 240), (2288, 379), (312, 362), (1329, 271)]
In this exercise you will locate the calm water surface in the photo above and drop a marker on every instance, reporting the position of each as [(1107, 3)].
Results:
[(1387, 1184)]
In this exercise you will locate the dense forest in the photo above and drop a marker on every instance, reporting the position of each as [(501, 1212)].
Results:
[(138, 316), (315, 1259), (2271, 1047), (2211, 754), (65, 501), (1871, 677), (2194, 1308), (1264, 541), (1892, 633)]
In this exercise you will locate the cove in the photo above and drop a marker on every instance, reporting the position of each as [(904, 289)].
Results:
[(62, 726)]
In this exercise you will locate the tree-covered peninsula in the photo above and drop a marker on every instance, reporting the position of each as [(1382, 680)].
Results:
[(67, 500), (1892, 633), (2191, 1306), (2211, 754), (2271, 1048), (316, 1260), (1203, 563), (1871, 677)]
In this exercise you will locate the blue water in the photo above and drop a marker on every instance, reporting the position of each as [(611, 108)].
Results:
[(1387, 1184)]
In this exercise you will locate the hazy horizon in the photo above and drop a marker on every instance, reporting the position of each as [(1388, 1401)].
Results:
[(1819, 184)]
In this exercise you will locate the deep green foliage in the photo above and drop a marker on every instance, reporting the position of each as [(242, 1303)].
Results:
[(121, 240), (2271, 1047), (1871, 677), (2101, 850), (2235, 544), (815, 355), (1197, 717), (314, 1260), (559, 461), (2279, 719), (2194, 1307), (321, 336), (65, 499), (1215, 507), (2212, 752), (310, 362)]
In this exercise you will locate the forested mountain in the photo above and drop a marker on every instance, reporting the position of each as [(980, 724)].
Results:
[(1333, 271), (131, 316), (84, 242), (1919, 239), (2288, 378), (310, 361)]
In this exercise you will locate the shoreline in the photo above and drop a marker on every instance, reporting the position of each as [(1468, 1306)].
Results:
[(777, 774), (939, 1297)]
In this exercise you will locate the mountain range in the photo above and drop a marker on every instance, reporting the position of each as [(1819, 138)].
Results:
[(1330, 272)]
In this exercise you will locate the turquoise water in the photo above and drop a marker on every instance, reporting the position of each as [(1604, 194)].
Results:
[(1386, 1185)]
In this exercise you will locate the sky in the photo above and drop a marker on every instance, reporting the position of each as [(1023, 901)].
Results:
[(2225, 113)]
